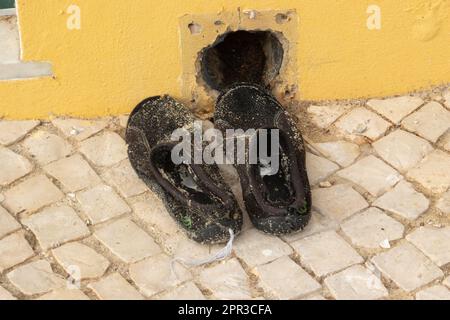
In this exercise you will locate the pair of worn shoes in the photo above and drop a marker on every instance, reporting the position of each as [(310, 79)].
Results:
[(195, 194)]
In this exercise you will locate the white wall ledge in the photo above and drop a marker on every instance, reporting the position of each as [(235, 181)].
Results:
[(25, 70), (8, 12)]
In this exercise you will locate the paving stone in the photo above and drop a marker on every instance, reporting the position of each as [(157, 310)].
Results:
[(154, 275), (319, 168), (14, 166), (127, 241), (5, 295), (324, 116), (356, 283), (435, 243), (154, 213), (31, 195), (7, 223), (101, 203), (403, 200), (105, 150), (55, 226), (342, 152), (433, 173), (446, 96), (35, 278), (445, 141), (446, 282), (187, 291), (407, 267), (73, 173), (338, 202), (318, 223), (296, 285), (123, 120), (371, 174), (434, 293), (362, 122), (326, 252), (226, 280), (395, 109), (46, 147), (90, 263), (444, 203), (79, 129), (315, 297), (430, 122), (256, 248), (65, 294), (402, 150), (369, 228), (13, 131), (115, 287), (124, 178), (14, 249)]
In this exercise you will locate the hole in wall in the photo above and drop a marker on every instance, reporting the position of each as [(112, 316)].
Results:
[(195, 28), (242, 56)]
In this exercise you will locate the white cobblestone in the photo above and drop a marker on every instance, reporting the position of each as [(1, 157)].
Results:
[(430, 122), (14, 249), (125, 180), (7, 223), (284, 279), (14, 166), (403, 200), (444, 203), (326, 252), (324, 116), (104, 150), (395, 109), (64, 295), (319, 168), (318, 223), (407, 267), (434, 293), (187, 291), (73, 173), (46, 147), (356, 283), (338, 202), (115, 287), (55, 226), (435, 243), (433, 173), (5, 295), (13, 131), (79, 129), (372, 174), (369, 228), (402, 150), (362, 122), (342, 152), (127, 241)]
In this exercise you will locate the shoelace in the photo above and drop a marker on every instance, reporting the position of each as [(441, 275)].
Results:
[(218, 256)]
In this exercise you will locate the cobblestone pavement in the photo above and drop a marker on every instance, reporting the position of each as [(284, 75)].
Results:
[(76, 223)]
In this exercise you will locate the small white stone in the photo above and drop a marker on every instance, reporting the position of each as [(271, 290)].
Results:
[(407, 267), (324, 116), (395, 109), (434, 293), (338, 202), (13, 131), (127, 241), (14, 166), (115, 287), (402, 149), (55, 226), (46, 147), (319, 168), (403, 200), (101, 203), (154, 275), (79, 129), (372, 174), (274, 281), (385, 244), (433, 173), (356, 283), (430, 122), (435, 243), (369, 228), (342, 152), (226, 280), (326, 252), (104, 150), (256, 248), (362, 122)]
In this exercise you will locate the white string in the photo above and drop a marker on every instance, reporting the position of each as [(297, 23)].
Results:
[(219, 256)]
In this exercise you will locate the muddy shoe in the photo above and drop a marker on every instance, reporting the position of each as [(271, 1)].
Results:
[(195, 195), (275, 188)]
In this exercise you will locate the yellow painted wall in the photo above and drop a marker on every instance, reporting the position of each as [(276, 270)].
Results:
[(127, 50)]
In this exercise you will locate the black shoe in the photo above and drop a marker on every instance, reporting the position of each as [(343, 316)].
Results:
[(277, 203), (195, 195)]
